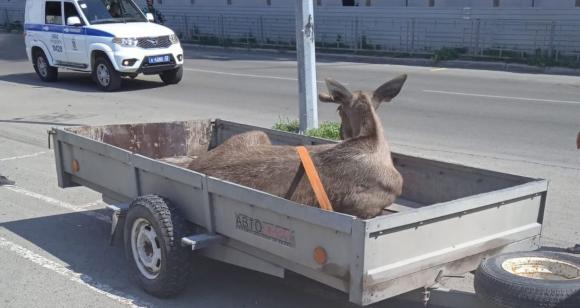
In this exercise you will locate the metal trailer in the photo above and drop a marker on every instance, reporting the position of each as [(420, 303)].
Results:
[(448, 219)]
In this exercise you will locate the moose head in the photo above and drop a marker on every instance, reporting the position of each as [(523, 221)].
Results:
[(350, 103)]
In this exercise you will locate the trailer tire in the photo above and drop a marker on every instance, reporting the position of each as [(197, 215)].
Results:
[(504, 280), (152, 236)]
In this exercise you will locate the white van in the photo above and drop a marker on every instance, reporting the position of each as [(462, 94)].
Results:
[(110, 39)]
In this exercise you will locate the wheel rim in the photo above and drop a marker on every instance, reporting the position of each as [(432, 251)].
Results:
[(42, 66), (541, 268), (103, 75), (146, 248)]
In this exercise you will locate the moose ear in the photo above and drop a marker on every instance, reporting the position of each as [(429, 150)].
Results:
[(388, 90), (325, 98), (337, 92)]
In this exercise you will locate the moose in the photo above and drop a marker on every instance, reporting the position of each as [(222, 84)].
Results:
[(358, 173)]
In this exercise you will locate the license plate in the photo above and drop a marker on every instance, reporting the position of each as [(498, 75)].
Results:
[(159, 59)]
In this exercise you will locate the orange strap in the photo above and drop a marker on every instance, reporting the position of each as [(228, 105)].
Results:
[(314, 179)]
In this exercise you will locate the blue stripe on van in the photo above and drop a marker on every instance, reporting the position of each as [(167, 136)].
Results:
[(67, 30), (95, 32)]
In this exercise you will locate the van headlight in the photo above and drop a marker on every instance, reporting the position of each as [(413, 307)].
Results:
[(174, 39), (126, 41)]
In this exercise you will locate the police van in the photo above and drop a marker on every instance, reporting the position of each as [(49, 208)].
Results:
[(110, 39)]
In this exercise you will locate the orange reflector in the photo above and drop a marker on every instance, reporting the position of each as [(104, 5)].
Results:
[(320, 255), (75, 166)]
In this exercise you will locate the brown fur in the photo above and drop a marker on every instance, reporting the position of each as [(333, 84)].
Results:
[(234, 145), (358, 173)]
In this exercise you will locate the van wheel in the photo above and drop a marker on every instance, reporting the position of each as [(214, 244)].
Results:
[(105, 75), (43, 69), (173, 76), (152, 233)]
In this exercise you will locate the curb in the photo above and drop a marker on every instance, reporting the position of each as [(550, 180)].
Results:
[(463, 64)]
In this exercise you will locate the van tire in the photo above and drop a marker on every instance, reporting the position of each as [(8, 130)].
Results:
[(173, 76), (43, 69), (105, 75)]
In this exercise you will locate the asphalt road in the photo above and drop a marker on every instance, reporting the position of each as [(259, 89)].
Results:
[(54, 243)]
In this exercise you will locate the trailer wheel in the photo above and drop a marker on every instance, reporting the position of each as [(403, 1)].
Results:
[(530, 279), (152, 234)]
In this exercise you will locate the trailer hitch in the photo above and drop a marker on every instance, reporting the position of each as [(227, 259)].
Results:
[(426, 296), (427, 289)]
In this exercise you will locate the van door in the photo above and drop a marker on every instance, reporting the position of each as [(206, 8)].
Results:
[(52, 31), (74, 38)]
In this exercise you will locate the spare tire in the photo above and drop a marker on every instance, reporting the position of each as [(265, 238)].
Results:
[(530, 279)]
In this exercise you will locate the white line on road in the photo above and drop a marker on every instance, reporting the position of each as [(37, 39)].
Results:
[(91, 204), (503, 97), (82, 279), (68, 206), (24, 156), (437, 69), (244, 75)]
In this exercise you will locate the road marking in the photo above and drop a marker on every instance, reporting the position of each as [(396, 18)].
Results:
[(82, 279), (91, 204), (503, 97), (68, 206), (244, 75), (438, 69), (24, 156)]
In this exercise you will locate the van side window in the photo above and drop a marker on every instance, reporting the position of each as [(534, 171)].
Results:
[(71, 11), (53, 13)]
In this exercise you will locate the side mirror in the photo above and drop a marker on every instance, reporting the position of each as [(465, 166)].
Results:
[(74, 21), (150, 17)]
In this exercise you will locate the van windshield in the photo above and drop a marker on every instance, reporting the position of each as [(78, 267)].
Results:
[(111, 11)]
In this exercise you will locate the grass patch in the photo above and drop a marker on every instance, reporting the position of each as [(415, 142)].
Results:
[(287, 125), (327, 130), (446, 54)]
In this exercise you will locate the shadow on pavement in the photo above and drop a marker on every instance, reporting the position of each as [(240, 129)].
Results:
[(80, 82), (82, 242), (16, 51)]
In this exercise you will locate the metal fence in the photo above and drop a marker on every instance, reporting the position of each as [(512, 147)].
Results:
[(10, 18), (539, 37), (483, 38)]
